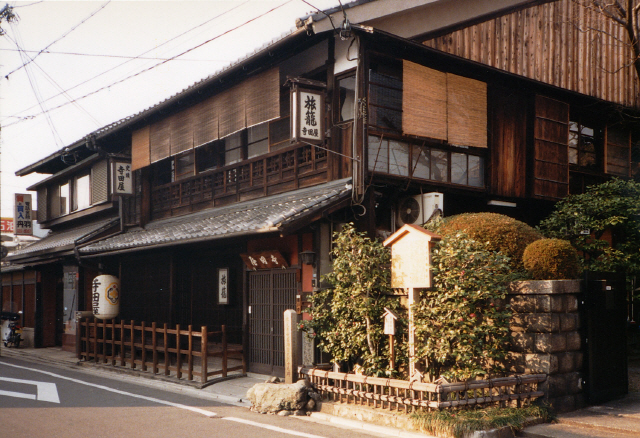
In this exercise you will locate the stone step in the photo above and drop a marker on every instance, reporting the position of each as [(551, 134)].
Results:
[(563, 430)]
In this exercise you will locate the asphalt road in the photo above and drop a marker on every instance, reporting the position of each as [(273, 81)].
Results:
[(44, 401)]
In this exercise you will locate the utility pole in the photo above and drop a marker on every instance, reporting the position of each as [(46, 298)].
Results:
[(6, 13)]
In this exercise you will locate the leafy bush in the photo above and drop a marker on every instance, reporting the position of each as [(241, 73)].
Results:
[(608, 209), (462, 328), (551, 259), (347, 317), (501, 233)]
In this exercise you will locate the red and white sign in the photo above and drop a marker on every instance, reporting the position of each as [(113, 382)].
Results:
[(6, 226), (22, 219)]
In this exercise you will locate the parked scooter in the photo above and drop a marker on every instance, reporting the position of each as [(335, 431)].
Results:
[(11, 329)]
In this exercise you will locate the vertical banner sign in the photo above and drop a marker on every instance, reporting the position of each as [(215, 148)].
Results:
[(23, 224), (309, 110), (122, 181), (223, 286)]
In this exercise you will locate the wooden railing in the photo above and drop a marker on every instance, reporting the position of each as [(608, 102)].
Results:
[(287, 169), (158, 349), (399, 395)]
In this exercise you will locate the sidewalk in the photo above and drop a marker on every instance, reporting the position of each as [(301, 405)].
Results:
[(616, 419)]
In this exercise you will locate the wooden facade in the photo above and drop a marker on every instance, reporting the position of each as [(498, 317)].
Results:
[(562, 43)]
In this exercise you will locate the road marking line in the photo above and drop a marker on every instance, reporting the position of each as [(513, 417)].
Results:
[(117, 391), (18, 394), (46, 391), (274, 428)]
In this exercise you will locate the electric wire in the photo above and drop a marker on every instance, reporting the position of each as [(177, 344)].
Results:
[(36, 91), (57, 86), (16, 115), (102, 55), (162, 62), (61, 37)]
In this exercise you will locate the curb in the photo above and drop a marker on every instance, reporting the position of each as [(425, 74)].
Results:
[(355, 424)]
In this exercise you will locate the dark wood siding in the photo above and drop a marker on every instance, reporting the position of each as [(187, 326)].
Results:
[(509, 145), (562, 43), (551, 149)]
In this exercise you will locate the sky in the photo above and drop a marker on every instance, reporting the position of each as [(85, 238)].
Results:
[(68, 68)]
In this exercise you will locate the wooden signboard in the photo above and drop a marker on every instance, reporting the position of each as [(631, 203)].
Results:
[(411, 249)]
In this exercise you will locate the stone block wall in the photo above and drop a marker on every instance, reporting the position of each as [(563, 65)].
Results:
[(546, 339)]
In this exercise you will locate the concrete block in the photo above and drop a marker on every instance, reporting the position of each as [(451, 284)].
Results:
[(562, 404), (574, 341), (568, 321), (543, 343), (574, 382), (558, 342), (566, 362), (522, 342), (523, 304), (544, 287), (557, 385), (515, 363), (542, 323), (540, 364), (557, 303), (578, 356), (571, 303)]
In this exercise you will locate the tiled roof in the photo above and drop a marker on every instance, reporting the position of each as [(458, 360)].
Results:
[(250, 217), (62, 239)]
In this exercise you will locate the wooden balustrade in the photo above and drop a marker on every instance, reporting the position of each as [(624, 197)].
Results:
[(399, 395), (159, 349), (287, 169)]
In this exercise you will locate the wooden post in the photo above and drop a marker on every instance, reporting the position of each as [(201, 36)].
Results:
[(178, 353), (122, 362), (78, 338), (133, 345), (204, 351), (167, 357), (190, 354), (143, 355), (95, 339), (290, 345), (224, 351), (392, 353), (412, 298), (154, 346)]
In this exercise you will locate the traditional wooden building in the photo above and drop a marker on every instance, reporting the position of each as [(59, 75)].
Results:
[(204, 204)]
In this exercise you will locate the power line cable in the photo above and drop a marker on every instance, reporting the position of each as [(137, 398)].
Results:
[(58, 87), (160, 63), (61, 37), (30, 4), (36, 91), (101, 55), (16, 115)]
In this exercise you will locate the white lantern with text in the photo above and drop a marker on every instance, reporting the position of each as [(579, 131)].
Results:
[(105, 296)]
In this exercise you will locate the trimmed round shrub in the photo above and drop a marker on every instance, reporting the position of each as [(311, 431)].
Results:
[(500, 233), (551, 259)]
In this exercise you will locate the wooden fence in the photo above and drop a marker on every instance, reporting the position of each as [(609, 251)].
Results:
[(401, 395), (159, 349)]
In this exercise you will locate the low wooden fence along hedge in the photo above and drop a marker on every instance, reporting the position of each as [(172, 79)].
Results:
[(399, 395), (159, 349)]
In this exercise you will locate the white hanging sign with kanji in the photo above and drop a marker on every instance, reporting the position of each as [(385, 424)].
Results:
[(122, 179), (223, 286), (22, 215), (309, 116)]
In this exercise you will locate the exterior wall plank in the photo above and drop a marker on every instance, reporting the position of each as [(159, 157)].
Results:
[(560, 43)]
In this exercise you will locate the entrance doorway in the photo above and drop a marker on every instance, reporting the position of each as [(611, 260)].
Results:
[(270, 294)]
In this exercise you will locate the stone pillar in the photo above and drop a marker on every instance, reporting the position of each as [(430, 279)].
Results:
[(546, 340), (290, 346)]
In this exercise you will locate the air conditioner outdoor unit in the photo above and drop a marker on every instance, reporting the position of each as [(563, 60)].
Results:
[(418, 209)]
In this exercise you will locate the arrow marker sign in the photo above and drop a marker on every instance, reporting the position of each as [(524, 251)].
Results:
[(46, 391)]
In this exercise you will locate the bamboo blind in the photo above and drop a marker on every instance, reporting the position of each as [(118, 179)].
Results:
[(140, 148), (249, 103), (466, 111), (100, 182), (205, 124), (563, 43), (182, 131), (618, 151), (424, 101), (160, 140)]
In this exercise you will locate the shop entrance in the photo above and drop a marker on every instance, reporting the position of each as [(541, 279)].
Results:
[(271, 292)]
